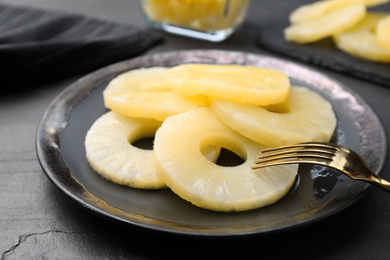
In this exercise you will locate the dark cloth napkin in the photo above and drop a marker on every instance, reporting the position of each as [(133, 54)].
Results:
[(38, 45), (323, 54)]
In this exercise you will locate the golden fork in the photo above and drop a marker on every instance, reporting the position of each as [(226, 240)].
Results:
[(327, 154)]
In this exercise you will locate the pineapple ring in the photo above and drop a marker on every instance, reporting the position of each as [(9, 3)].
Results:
[(317, 9), (362, 41), (110, 153), (144, 93), (383, 32), (250, 84), (179, 161), (330, 23), (311, 118)]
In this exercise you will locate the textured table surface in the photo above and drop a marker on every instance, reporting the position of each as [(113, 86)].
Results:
[(38, 222)]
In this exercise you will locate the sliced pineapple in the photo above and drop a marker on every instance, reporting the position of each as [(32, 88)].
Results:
[(201, 15), (310, 118), (332, 22), (362, 41), (383, 32), (320, 8), (145, 93), (255, 85), (178, 158), (110, 153)]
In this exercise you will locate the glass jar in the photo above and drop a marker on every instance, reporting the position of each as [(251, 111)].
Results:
[(211, 20)]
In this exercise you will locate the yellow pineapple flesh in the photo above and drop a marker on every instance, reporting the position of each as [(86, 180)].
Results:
[(383, 32), (196, 14), (320, 8), (145, 93), (250, 109), (362, 41), (245, 84), (332, 22), (111, 154), (183, 167), (308, 117)]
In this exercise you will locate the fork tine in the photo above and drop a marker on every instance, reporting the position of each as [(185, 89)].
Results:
[(292, 151), (293, 160), (301, 146), (299, 153), (292, 155)]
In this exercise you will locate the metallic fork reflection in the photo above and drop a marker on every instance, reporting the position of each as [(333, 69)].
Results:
[(327, 154)]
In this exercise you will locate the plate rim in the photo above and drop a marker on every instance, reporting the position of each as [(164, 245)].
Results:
[(48, 143)]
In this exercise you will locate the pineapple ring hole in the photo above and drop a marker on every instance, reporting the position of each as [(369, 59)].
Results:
[(229, 158), (232, 153), (145, 143), (143, 138)]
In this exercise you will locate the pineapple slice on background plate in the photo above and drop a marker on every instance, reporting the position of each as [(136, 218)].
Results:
[(306, 117), (383, 32), (363, 41), (333, 22), (183, 167), (320, 8), (260, 86), (144, 93)]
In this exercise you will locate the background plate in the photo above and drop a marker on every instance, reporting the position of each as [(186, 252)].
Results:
[(318, 192), (322, 53)]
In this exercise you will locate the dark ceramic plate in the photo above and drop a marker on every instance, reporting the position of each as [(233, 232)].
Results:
[(318, 192)]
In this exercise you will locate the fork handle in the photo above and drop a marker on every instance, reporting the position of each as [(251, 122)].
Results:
[(378, 182), (383, 184)]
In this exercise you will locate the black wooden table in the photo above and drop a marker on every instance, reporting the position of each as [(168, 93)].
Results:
[(38, 222)]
